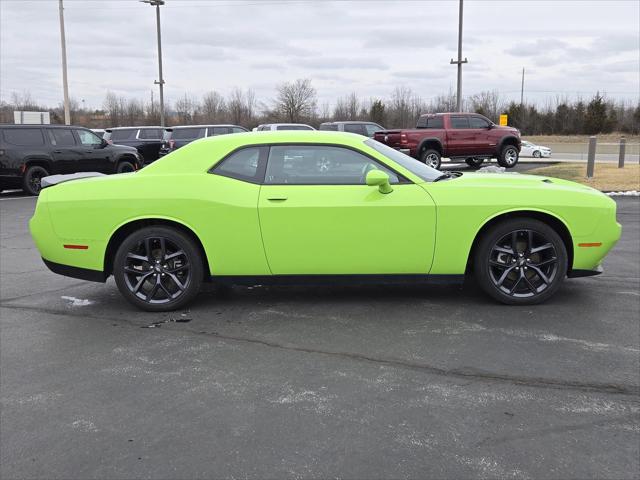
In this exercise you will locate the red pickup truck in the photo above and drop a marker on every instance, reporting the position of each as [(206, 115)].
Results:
[(457, 136)]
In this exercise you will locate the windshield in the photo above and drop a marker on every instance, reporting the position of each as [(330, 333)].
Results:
[(423, 171)]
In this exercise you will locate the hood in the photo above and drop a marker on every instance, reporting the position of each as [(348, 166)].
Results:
[(517, 180)]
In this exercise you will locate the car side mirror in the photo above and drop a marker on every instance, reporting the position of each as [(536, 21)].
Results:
[(103, 143), (378, 178), (491, 125)]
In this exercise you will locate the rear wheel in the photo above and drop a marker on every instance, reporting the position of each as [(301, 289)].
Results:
[(508, 157), (474, 162), (32, 180), (431, 158), (125, 166), (158, 269), (520, 262)]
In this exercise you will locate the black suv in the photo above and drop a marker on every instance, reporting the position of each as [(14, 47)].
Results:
[(361, 128), (30, 152), (147, 140), (176, 137)]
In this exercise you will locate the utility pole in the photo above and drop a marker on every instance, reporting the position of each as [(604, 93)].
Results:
[(522, 90), (522, 101), (459, 62), (160, 82), (65, 85)]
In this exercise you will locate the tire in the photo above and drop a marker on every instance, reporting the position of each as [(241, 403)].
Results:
[(537, 154), (508, 157), (431, 157), (474, 162), (529, 276), (32, 178), (158, 269), (125, 166)]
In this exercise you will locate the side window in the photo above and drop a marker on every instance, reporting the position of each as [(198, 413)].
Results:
[(435, 122), (88, 138), (62, 137), (188, 133), (319, 165), (150, 134), (218, 131), (459, 122), (243, 164), (24, 136), (372, 128), (329, 126), (120, 135), (477, 122), (355, 128), (238, 130)]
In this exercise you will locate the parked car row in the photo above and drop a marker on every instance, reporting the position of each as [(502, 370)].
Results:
[(28, 153)]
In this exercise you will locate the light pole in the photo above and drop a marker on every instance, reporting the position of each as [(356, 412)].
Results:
[(459, 62), (160, 82), (65, 85)]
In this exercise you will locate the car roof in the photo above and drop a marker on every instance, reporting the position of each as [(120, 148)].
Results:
[(347, 122), (38, 125), (132, 128), (208, 125), (278, 124)]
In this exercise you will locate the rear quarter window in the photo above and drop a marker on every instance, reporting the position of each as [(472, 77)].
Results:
[(120, 135), (26, 137), (150, 134)]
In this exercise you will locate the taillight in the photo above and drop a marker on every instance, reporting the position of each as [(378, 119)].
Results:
[(110, 142), (172, 143), (403, 138)]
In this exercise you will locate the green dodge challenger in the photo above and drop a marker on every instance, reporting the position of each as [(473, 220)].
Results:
[(297, 206)]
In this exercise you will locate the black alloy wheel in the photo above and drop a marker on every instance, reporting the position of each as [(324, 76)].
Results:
[(32, 181), (158, 269), (521, 262)]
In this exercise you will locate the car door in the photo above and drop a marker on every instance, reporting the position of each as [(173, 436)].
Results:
[(94, 158), (526, 149), (317, 215), (461, 138), (149, 141), (482, 136), (66, 152)]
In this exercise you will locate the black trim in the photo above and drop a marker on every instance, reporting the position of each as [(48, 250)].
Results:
[(76, 272), (346, 279), (585, 273)]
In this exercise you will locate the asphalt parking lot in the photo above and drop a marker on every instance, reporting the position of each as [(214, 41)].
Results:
[(360, 382)]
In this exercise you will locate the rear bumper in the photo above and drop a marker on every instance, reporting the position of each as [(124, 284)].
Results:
[(75, 272), (585, 273)]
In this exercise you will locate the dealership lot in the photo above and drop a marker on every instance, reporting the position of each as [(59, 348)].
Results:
[(366, 382)]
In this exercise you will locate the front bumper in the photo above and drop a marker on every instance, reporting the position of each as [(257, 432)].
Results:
[(585, 273)]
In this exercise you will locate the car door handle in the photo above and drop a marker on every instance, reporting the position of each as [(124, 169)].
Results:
[(88, 151), (277, 199), (57, 151)]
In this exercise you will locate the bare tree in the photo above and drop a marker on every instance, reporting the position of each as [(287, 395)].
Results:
[(241, 106), (187, 109), (113, 107), (213, 109), (400, 108), (488, 103), (296, 101)]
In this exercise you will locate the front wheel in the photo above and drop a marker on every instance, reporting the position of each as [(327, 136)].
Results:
[(125, 166), (508, 157), (537, 154), (431, 158), (32, 181), (474, 162), (520, 261), (158, 269)]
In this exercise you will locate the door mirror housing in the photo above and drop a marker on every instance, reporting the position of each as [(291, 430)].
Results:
[(378, 178), (103, 143), (490, 126)]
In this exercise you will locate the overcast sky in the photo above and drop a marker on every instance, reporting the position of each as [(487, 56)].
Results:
[(567, 47)]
